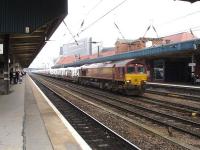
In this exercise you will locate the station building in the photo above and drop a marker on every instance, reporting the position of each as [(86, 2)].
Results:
[(174, 67), (126, 45), (166, 67), (173, 58)]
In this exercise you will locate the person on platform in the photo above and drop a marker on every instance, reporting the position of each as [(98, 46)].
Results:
[(20, 78), (11, 76), (14, 78), (17, 77)]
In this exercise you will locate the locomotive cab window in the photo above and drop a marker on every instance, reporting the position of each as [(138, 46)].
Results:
[(131, 69), (135, 68), (140, 69)]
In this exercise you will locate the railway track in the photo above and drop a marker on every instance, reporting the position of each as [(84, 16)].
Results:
[(184, 110), (176, 122), (93, 132), (174, 94), (171, 105)]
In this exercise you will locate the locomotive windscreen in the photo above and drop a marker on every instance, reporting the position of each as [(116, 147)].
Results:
[(135, 68)]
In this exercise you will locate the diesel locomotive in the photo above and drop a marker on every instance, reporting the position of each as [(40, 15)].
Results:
[(127, 76)]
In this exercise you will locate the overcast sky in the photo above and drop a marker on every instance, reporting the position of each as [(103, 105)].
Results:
[(132, 17)]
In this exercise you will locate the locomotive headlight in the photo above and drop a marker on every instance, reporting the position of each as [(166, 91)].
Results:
[(128, 81)]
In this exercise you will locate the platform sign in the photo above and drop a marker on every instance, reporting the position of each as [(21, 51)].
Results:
[(192, 64), (1, 49)]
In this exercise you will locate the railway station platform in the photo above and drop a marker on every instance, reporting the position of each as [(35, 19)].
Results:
[(174, 85), (27, 121)]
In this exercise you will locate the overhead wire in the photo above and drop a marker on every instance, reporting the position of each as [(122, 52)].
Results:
[(148, 28), (179, 18), (93, 8), (119, 30), (173, 20), (90, 25), (195, 28), (98, 19), (176, 19), (70, 32)]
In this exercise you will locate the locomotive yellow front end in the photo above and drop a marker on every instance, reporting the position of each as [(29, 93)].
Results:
[(135, 79)]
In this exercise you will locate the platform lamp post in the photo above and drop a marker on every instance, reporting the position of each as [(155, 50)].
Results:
[(98, 48)]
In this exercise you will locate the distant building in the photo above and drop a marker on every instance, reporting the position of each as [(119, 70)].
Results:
[(61, 51), (105, 49), (66, 59), (82, 47), (180, 37), (70, 59), (125, 45), (121, 46)]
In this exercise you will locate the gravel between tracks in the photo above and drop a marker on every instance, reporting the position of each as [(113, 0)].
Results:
[(139, 137), (185, 138)]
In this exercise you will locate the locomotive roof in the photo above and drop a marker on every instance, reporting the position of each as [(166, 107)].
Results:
[(109, 64), (122, 63)]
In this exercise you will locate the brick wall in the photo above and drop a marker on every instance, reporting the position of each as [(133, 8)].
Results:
[(122, 46)]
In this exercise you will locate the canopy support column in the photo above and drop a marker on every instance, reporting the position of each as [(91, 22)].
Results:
[(6, 63)]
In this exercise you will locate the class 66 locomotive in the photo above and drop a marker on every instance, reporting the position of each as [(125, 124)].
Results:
[(124, 76), (135, 79)]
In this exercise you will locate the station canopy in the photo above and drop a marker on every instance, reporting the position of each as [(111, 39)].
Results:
[(29, 24)]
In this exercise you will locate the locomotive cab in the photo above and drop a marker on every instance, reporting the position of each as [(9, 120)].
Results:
[(135, 76)]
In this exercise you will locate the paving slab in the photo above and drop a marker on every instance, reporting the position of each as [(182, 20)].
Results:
[(35, 134)]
